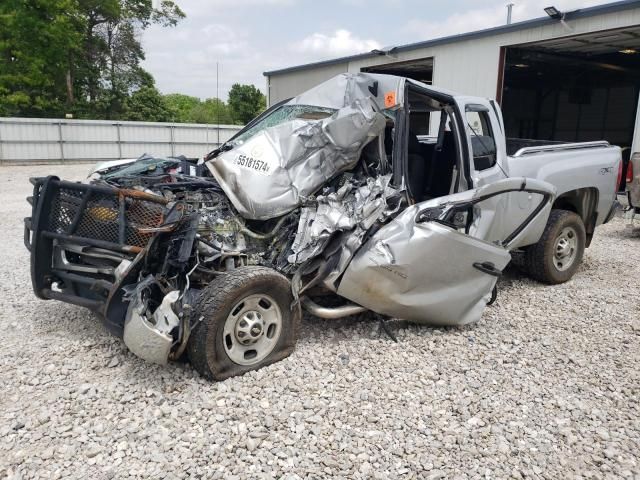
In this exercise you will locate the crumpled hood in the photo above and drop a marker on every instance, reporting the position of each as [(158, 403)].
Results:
[(275, 170)]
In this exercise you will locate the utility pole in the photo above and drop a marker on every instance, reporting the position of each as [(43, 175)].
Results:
[(217, 105)]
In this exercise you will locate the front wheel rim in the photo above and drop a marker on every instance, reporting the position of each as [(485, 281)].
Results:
[(565, 249), (252, 329)]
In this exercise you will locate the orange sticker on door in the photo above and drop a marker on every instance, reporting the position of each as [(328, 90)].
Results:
[(389, 99)]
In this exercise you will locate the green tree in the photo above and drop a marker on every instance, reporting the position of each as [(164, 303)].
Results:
[(187, 109), (38, 39), (146, 104), (78, 56), (180, 106), (212, 110), (245, 102), (112, 50)]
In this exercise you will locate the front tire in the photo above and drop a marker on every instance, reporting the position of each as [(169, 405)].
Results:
[(558, 253), (243, 321)]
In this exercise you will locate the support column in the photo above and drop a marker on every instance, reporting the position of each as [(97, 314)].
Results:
[(635, 145), (60, 141), (119, 141)]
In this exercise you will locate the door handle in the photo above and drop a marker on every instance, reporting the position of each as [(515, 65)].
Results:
[(488, 268)]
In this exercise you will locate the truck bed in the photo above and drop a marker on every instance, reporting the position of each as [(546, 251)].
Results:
[(584, 169), (515, 144)]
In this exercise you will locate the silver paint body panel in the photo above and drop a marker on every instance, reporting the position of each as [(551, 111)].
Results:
[(424, 271), (276, 170), (419, 270)]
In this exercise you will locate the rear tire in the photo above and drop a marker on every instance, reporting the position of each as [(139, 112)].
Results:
[(243, 321), (558, 253)]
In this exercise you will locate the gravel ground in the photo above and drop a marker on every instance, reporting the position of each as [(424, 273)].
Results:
[(546, 385)]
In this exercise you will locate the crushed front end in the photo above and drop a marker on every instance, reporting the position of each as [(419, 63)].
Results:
[(87, 240), (298, 192), (138, 256)]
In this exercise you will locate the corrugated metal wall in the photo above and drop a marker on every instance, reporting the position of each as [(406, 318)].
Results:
[(37, 140), (469, 67), (286, 86)]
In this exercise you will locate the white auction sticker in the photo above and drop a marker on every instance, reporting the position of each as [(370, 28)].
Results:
[(257, 155)]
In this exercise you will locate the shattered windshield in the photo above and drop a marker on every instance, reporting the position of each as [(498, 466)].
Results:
[(285, 113), (143, 166)]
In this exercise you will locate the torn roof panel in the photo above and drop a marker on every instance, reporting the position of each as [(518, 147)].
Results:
[(289, 154), (387, 91)]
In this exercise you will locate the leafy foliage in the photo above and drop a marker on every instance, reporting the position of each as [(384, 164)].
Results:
[(180, 106), (83, 57), (38, 38), (146, 104), (245, 102), (75, 56), (184, 108), (212, 110)]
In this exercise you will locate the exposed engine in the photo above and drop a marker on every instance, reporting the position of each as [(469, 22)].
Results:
[(298, 193), (224, 239)]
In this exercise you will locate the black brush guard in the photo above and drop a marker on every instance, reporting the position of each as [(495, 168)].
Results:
[(74, 219)]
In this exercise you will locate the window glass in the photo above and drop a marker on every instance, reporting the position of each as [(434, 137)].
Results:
[(482, 140), (419, 123), (285, 113)]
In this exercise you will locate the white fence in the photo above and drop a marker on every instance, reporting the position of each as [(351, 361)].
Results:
[(40, 140)]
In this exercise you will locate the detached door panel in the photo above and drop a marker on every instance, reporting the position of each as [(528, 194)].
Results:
[(423, 272), (429, 265)]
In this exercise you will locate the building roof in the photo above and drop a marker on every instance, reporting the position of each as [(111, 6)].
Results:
[(536, 22)]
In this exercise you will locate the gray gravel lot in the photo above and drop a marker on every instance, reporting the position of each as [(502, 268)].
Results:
[(546, 385)]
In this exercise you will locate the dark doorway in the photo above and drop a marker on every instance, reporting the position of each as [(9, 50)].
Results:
[(572, 89), (420, 69)]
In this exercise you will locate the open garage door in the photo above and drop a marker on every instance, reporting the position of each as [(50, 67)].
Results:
[(420, 69), (576, 88)]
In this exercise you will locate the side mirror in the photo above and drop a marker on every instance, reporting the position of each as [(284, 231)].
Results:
[(431, 214), (454, 216)]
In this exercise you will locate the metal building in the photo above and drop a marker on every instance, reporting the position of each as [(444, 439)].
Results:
[(571, 76)]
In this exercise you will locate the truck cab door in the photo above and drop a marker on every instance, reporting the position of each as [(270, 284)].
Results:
[(485, 138), (498, 113), (431, 264), (488, 164)]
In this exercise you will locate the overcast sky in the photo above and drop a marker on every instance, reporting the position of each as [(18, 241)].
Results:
[(248, 37)]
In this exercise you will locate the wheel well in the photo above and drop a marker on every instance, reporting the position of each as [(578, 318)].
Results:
[(584, 202)]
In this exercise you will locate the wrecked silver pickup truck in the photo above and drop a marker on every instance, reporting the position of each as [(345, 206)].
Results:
[(336, 202)]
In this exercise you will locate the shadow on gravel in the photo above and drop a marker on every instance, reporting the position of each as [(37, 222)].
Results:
[(366, 326), (626, 232), (103, 355), (359, 327), (52, 317), (80, 326)]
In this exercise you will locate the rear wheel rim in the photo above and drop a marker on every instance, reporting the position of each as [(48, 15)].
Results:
[(252, 329), (565, 249)]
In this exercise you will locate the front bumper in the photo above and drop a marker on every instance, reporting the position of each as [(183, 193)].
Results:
[(150, 338), (87, 241)]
